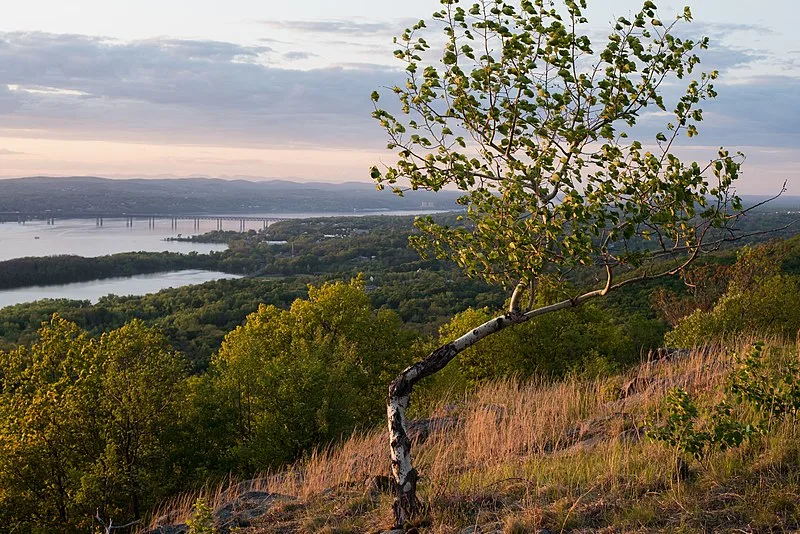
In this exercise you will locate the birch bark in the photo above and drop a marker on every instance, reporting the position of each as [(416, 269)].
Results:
[(406, 503)]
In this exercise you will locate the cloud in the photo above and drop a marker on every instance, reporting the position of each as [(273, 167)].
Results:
[(725, 51), (753, 112), (297, 55), (215, 93), (212, 161), (7, 152), (760, 110), (339, 27), (181, 91), (725, 58), (722, 30), (791, 60)]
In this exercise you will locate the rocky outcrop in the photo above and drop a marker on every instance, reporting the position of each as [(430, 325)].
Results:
[(245, 508), (240, 511), (169, 529), (420, 429)]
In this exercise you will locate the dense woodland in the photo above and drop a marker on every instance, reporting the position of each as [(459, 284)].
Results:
[(121, 404)]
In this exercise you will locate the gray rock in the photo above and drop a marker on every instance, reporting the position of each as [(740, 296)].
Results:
[(670, 353), (499, 410), (169, 529), (245, 508), (492, 528), (420, 429), (258, 497), (635, 385), (240, 511), (168, 518)]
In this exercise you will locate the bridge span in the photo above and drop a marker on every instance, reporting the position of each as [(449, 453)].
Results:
[(22, 217)]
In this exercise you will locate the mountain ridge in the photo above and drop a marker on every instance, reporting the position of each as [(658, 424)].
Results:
[(90, 195)]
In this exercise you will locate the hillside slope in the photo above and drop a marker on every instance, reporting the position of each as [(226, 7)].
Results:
[(535, 457)]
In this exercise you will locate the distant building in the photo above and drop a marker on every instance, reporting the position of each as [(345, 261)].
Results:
[(426, 204)]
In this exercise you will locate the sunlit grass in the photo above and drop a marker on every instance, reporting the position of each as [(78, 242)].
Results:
[(569, 455)]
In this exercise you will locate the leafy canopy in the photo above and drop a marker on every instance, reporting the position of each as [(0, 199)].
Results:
[(530, 119), (305, 376), (84, 426)]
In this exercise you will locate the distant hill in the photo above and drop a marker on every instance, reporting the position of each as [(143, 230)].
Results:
[(92, 195), (783, 202), (89, 195)]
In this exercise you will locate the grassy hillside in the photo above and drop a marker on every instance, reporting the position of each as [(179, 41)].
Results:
[(537, 457)]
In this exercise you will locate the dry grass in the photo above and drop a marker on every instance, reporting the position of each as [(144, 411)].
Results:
[(567, 456)]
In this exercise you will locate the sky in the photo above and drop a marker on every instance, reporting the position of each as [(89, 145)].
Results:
[(280, 89)]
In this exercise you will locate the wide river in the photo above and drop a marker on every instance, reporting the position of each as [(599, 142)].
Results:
[(83, 237), (130, 285)]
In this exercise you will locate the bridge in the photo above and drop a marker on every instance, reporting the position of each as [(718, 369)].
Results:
[(22, 217)]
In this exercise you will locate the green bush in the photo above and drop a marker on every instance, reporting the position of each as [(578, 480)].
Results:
[(680, 430), (768, 308), (85, 424), (768, 387), (202, 521), (771, 386), (586, 340)]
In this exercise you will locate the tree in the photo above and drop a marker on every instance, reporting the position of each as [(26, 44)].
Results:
[(532, 124), (142, 388), (49, 422), (83, 424), (306, 376)]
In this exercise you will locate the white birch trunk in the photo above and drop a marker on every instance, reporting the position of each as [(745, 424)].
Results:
[(405, 476)]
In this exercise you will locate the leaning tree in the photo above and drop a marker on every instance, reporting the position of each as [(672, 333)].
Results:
[(515, 106)]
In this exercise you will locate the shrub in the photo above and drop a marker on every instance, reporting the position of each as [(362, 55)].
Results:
[(202, 521), (768, 307), (770, 388)]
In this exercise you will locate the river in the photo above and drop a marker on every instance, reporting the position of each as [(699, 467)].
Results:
[(84, 237), (92, 291)]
